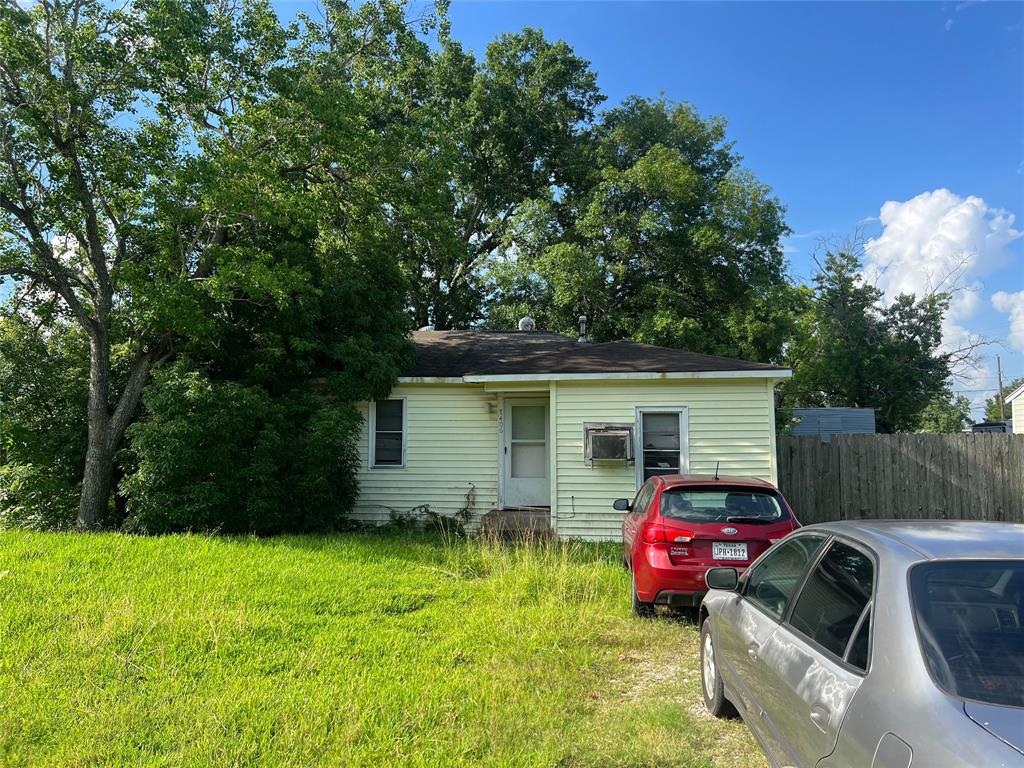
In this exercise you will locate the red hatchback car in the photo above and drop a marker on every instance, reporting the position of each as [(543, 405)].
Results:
[(678, 526)]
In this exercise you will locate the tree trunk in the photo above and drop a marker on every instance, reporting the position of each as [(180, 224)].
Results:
[(99, 456), (106, 429), (99, 467)]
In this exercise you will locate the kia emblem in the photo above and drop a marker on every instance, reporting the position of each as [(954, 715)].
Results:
[(729, 531)]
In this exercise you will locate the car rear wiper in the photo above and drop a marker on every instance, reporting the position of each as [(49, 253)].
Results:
[(754, 520)]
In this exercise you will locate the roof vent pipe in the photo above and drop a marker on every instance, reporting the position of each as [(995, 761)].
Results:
[(527, 324), (583, 329)]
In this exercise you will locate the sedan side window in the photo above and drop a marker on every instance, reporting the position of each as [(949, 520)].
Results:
[(775, 578), (829, 607)]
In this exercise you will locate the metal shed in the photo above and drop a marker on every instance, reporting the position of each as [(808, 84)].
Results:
[(825, 422)]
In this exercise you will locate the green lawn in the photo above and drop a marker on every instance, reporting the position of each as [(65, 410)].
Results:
[(361, 650)]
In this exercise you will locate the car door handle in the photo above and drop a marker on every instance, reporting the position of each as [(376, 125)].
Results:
[(820, 717), (752, 650)]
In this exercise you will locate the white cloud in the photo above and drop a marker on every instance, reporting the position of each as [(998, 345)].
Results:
[(940, 241), (1013, 305)]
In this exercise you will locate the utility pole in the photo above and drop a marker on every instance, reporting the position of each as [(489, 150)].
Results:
[(999, 375)]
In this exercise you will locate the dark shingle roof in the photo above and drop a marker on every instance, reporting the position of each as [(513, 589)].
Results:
[(464, 353)]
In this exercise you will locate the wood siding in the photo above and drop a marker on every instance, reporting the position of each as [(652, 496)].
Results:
[(452, 442), (729, 420), (962, 476), (1017, 414)]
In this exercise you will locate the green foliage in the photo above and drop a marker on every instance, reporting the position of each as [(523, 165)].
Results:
[(222, 456), (992, 403), (221, 186), (359, 651), (848, 350), (946, 413), (42, 431), (666, 240), (495, 133)]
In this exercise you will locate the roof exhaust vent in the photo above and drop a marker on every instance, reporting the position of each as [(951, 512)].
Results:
[(583, 329), (527, 324)]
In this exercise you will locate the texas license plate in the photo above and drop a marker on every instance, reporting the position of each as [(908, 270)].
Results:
[(728, 550)]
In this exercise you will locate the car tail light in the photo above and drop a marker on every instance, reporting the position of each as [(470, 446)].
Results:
[(652, 533), (678, 535), (655, 533)]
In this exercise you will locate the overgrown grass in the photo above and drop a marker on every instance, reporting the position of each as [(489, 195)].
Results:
[(362, 650)]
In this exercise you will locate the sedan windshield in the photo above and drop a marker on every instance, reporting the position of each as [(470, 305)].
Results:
[(720, 505), (969, 621)]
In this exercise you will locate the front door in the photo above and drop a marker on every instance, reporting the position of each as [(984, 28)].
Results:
[(525, 451)]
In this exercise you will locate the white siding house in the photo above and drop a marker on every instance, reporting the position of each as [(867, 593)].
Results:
[(1016, 401), (499, 420)]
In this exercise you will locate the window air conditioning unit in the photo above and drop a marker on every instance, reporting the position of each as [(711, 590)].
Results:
[(607, 442)]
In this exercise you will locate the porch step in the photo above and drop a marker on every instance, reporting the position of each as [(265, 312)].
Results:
[(516, 522)]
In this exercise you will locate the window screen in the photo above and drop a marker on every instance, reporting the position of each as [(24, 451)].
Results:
[(528, 441), (660, 438), (834, 597), (389, 433), (774, 579)]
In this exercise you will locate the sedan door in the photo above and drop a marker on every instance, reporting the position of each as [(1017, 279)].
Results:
[(814, 663), (748, 621)]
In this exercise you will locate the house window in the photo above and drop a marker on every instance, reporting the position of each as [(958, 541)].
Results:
[(662, 442), (387, 433)]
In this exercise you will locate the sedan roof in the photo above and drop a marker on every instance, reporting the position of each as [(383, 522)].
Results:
[(935, 539), (676, 481)]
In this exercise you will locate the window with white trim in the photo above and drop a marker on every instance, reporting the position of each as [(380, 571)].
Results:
[(387, 433), (661, 437)]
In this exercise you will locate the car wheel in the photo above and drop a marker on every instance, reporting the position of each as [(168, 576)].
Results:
[(710, 676), (641, 609)]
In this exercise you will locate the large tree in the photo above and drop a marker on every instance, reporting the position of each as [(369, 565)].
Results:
[(493, 134), (665, 239), (851, 349), (154, 155)]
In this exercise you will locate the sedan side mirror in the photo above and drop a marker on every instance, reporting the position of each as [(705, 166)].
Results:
[(722, 578), (622, 505)]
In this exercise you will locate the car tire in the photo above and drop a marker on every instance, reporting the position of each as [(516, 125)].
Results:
[(710, 678), (640, 608)]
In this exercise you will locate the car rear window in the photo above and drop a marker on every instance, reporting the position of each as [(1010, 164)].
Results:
[(720, 505), (969, 623)]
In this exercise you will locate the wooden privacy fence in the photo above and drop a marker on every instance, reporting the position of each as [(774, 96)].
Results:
[(957, 477)]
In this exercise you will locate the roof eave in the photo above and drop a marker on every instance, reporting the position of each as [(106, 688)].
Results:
[(484, 378), (1015, 394)]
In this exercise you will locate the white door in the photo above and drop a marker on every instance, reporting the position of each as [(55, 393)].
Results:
[(525, 453)]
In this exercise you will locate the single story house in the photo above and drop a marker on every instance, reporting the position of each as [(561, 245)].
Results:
[(559, 427), (1016, 402)]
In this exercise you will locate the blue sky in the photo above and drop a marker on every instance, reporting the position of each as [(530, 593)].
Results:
[(841, 108), (904, 119)]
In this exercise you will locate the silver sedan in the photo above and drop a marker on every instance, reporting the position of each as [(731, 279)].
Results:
[(874, 643)]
